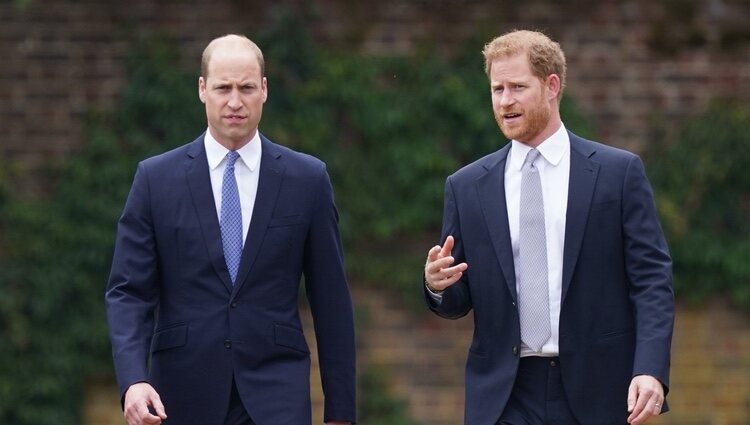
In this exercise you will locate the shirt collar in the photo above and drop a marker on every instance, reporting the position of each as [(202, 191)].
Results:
[(216, 152), (552, 150)]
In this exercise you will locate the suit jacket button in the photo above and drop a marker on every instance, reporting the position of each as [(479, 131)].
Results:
[(515, 350), (227, 343), (233, 305)]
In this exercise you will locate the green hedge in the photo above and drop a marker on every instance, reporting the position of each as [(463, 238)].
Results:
[(390, 129), (57, 252), (702, 187)]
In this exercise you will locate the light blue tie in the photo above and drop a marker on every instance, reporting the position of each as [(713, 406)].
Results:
[(231, 218), (533, 297)]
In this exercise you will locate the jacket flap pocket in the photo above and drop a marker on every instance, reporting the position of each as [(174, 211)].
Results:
[(290, 337), (172, 337)]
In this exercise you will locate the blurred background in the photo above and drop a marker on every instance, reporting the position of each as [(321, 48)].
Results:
[(393, 97)]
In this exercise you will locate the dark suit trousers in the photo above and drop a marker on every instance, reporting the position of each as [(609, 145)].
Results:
[(237, 414), (538, 397)]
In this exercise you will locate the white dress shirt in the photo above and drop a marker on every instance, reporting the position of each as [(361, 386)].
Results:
[(246, 171), (554, 171)]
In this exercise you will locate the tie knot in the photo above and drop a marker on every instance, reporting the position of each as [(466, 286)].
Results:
[(232, 158), (531, 157)]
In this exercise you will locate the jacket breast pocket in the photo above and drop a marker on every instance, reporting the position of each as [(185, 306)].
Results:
[(605, 205), (289, 220), (171, 337)]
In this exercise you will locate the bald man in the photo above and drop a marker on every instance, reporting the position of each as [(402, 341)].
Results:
[(202, 299)]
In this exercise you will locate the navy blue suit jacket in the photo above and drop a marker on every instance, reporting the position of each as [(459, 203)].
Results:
[(177, 322), (617, 310)]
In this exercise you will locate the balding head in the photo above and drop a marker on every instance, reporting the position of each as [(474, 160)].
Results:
[(235, 43)]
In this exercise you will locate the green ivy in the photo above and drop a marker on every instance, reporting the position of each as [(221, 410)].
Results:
[(390, 129), (57, 252), (376, 405), (703, 194)]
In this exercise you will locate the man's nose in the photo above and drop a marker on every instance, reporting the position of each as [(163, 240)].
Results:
[(234, 99), (506, 98)]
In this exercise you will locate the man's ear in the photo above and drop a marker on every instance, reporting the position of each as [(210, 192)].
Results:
[(202, 89), (553, 86)]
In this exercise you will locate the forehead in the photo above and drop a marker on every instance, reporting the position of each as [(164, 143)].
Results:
[(235, 61), (513, 67)]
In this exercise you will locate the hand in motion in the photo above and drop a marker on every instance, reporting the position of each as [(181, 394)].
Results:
[(138, 398), (645, 398), (439, 271)]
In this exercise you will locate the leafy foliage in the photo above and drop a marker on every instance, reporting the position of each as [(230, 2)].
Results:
[(376, 405), (56, 252), (703, 193), (390, 129)]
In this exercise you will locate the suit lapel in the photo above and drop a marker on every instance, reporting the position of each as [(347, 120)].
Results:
[(491, 195), (583, 174), (199, 184), (269, 183)]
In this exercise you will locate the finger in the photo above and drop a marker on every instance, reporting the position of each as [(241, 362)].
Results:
[(134, 412), (151, 420), (644, 406), (436, 273), (438, 265), (158, 406), (450, 271), (448, 281), (143, 416), (447, 247), (657, 408), (643, 416), (433, 253), (632, 394)]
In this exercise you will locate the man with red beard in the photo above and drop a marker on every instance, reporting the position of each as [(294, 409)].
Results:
[(554, 242)]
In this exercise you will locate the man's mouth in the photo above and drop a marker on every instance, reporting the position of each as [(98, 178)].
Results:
[(234, 117)]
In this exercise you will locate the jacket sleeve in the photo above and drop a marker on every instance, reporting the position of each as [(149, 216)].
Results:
[(649, 269), (132, 291), (331, 306), (456, 300)]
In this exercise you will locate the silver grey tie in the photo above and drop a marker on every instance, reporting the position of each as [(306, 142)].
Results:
[(533, 297)]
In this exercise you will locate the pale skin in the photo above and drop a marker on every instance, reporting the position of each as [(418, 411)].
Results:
[(526, 108), (233, 92)]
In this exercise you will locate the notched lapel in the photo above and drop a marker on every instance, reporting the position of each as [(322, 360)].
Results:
[(491, 195), (269, 183), (583, 174), (199, 183)]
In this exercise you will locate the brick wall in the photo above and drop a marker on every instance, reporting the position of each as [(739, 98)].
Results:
[(423, 358), (631, 64), (426, 355)]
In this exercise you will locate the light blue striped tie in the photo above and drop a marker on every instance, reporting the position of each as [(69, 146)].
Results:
[(533, 297), (231, 218)]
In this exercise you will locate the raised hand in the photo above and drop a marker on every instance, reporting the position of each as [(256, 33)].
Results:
[(439, 271)]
